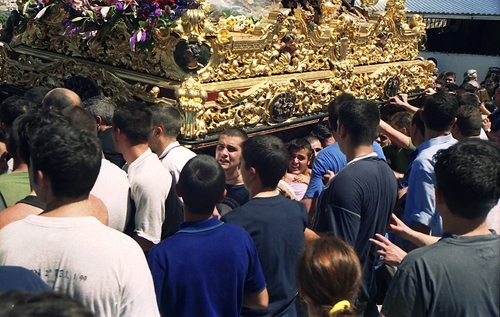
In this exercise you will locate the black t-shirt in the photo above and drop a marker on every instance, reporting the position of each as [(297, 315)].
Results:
[(276, 225), (236, 196), (356, 204)]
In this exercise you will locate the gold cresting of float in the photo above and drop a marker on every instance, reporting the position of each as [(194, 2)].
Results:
[(288, 67), (280, 44)]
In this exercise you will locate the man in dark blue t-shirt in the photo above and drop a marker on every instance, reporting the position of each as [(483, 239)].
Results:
[(275, 223), (208, 268), (358, 201)]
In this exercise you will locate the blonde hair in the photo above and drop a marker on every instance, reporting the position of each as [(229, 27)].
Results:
[(483, 95)]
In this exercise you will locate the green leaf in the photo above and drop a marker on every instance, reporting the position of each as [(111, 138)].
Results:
[(77, 19)]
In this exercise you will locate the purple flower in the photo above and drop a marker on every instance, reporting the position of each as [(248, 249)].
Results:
[(74, 29), (132, 41), (119, 6)]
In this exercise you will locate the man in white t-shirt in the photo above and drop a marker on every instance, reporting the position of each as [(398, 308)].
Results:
[(65, 245), (150, 182), (167, 122), (112, 185)]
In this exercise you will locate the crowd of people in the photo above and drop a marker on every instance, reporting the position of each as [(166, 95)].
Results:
[(380, 210)]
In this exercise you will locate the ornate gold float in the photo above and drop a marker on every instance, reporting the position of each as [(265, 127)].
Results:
[(286, 70)]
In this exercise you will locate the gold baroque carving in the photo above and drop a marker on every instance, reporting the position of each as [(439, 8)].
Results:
[(29, 71), (251, 107), (282, 44)]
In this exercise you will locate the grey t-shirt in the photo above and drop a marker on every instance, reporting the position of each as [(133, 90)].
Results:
[(456, 276)]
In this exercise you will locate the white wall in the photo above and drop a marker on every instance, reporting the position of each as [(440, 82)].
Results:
[(460, 63)]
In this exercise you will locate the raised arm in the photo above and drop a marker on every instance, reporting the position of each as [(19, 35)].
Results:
[(403, 102), (419, 239), (396, 137)]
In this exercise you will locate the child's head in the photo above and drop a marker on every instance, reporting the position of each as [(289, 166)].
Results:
[(329, 274)]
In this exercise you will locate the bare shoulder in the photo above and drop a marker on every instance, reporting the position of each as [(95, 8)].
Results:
[(17, 212)]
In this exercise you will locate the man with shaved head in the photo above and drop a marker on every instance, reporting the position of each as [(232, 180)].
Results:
[(60, 98)]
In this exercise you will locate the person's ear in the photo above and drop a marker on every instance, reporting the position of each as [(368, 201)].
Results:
[(157, 131), (252, 173), (454, 121), (177, 191), (342, 131), (99, 120), (119, 134), (43, 181), (221, 198)]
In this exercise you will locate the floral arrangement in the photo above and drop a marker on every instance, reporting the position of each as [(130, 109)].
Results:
[(238, 23), (97, 18)]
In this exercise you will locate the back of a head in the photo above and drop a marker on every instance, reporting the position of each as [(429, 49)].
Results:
[(469, 75), (235, 132), (482, 94), (402, 119), (493, 78), (467, 87), (31, 123), (329, 272), (101, 106), (13, 107), (417, 120), (439, 111), (268, 155), (469, 121), (70, 157), (60, 98), (201, 184), (81, 119), (360, 119), (168, 118), (469, 99), (333, 108), (321, 132), (28, 304), (13, 139), (135, 120), (36, 94), (468, 176)]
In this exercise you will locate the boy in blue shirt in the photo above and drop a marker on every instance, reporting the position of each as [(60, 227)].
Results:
[(208, 268)]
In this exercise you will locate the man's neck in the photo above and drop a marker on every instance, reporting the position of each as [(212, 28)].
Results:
[(358, 151), (431, 134), (19, 166), (465, 227), (190, 217), (263, 192), (133, 152), (67, 207), (102, 127), (164, 143)]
